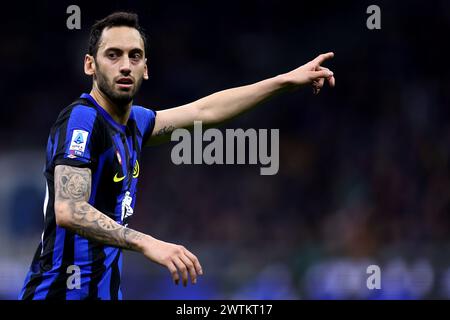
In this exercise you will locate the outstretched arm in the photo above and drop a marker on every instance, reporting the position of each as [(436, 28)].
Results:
[(226, 104), (73, 212)]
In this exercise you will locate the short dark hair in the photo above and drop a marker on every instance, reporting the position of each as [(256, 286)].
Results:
[(116, 19)]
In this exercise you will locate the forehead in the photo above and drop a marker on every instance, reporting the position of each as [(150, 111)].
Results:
[(124, 38)]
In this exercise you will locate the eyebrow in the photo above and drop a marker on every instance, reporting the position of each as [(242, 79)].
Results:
[(134, 50)]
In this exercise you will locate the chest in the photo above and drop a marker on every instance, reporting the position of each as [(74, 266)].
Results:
[(122, 159)]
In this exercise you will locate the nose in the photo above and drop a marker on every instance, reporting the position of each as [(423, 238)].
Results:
[(125, 66)]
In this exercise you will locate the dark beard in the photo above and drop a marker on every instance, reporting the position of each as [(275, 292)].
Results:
[(120, 99)]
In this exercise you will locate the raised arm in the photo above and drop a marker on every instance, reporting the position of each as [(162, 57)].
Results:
[(226, 104), (73, 212)]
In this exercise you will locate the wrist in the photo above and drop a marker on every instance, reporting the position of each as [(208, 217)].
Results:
[(143, 242), (283, 82)]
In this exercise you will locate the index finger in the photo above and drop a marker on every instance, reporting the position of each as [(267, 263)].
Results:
[(323, 57)]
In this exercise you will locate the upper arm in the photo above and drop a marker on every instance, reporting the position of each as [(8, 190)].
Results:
[(72, 185), (171, 119)]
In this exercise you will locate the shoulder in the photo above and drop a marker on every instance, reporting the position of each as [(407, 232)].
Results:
[(140, 111), (144, 117), (78, 114), (77, 110), (78, 118)]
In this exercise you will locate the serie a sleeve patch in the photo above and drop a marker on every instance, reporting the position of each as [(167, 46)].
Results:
[(78, 143)]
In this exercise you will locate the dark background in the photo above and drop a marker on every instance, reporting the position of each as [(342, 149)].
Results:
[(363, 178)]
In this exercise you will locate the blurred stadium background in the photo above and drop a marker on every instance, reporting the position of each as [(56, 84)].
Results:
[(364, 168)]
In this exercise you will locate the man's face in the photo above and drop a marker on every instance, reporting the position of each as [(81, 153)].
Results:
[(120, 64)]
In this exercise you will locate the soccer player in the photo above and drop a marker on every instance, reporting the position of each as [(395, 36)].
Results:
[(92, 165)]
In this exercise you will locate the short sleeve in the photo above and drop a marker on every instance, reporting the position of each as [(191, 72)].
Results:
[(77, 144), (145, 119)]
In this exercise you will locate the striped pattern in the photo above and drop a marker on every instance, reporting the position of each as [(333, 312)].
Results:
[(100, 265)]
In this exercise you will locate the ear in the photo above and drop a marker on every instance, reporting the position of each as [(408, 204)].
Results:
[(89, 65), (145, 70)]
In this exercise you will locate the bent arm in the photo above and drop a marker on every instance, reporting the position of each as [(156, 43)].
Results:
[(227, 104), (73, 212)]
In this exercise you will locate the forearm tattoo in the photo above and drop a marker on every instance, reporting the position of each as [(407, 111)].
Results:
[(73, 187)]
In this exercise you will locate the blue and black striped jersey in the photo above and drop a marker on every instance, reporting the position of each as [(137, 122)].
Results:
[(85, 135)]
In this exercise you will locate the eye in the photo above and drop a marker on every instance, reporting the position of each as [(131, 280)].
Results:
[(112, 55), (136, 56)]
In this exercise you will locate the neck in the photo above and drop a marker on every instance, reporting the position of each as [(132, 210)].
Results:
[(119, 113)]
